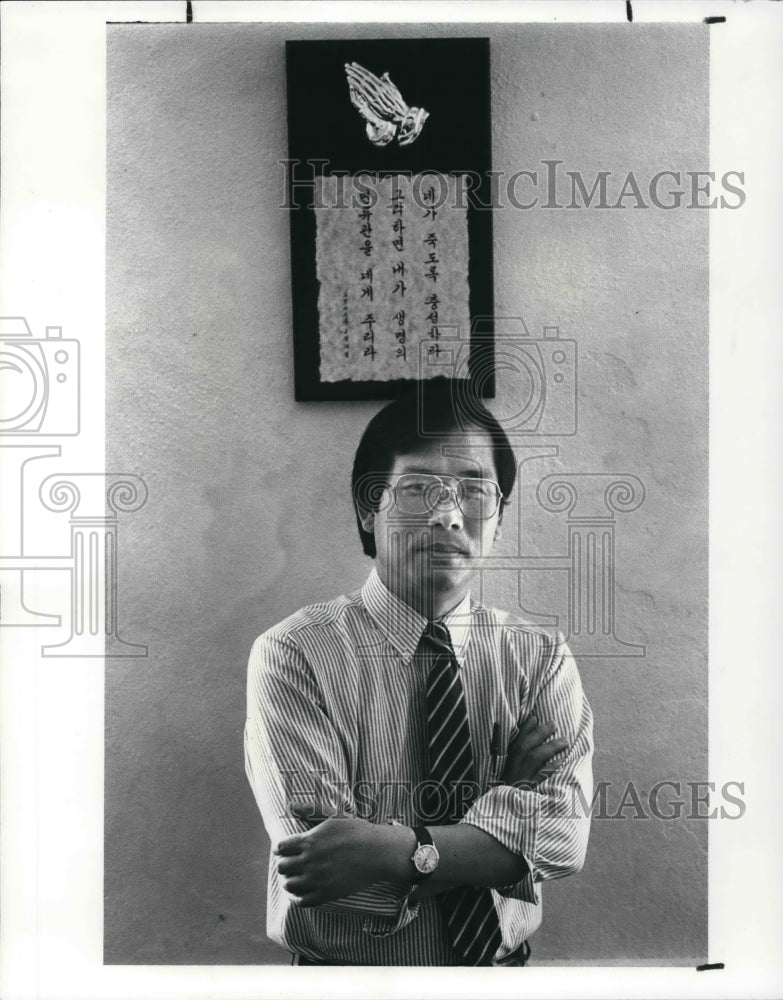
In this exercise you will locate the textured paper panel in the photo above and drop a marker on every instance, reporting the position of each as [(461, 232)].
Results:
[(392, 266)]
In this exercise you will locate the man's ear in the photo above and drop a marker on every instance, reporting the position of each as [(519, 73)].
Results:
[(367, 520)]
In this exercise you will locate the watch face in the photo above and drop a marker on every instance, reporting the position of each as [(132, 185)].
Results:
[(425, 858)]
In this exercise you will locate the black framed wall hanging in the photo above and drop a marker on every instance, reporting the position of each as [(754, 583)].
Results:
[(390, 201)]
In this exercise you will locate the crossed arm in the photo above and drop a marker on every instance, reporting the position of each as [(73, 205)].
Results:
[(515, 835), (340, 856)]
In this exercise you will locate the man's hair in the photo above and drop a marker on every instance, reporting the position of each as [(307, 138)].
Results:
[(436, 407)]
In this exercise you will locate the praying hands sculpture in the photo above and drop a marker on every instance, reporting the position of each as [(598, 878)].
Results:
[(380, 103)]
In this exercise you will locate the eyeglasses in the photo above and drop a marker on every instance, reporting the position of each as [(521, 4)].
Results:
[(420, 493)]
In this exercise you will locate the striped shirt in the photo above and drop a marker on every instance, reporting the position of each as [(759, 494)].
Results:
[(336, 711)]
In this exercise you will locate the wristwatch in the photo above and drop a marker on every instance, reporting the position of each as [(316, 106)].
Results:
[(425, 858)]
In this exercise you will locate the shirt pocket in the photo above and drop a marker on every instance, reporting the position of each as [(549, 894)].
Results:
[(496, 766)]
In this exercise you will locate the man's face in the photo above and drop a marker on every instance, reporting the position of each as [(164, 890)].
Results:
[(428, 557)]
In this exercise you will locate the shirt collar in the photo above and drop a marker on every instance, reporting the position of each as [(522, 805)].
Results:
[(404, 627), (458, 621)]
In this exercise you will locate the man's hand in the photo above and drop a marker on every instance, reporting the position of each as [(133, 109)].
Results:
[(334, 859), (530, 752)]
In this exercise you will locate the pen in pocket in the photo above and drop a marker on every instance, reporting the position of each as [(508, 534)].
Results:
[(494, 746)]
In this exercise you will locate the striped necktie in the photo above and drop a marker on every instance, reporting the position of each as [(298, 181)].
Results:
[(469, 912)]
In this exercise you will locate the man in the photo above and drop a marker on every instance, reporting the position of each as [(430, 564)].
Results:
[(419, 760)]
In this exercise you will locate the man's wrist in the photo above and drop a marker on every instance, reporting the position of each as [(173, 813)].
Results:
[(396, 845)]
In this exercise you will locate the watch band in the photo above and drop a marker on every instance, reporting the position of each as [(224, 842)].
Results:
[(423, 836)]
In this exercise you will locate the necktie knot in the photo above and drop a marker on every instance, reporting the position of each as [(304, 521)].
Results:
[(439, 634)]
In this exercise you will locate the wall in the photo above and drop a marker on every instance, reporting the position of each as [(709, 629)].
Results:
[(249, 517)]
